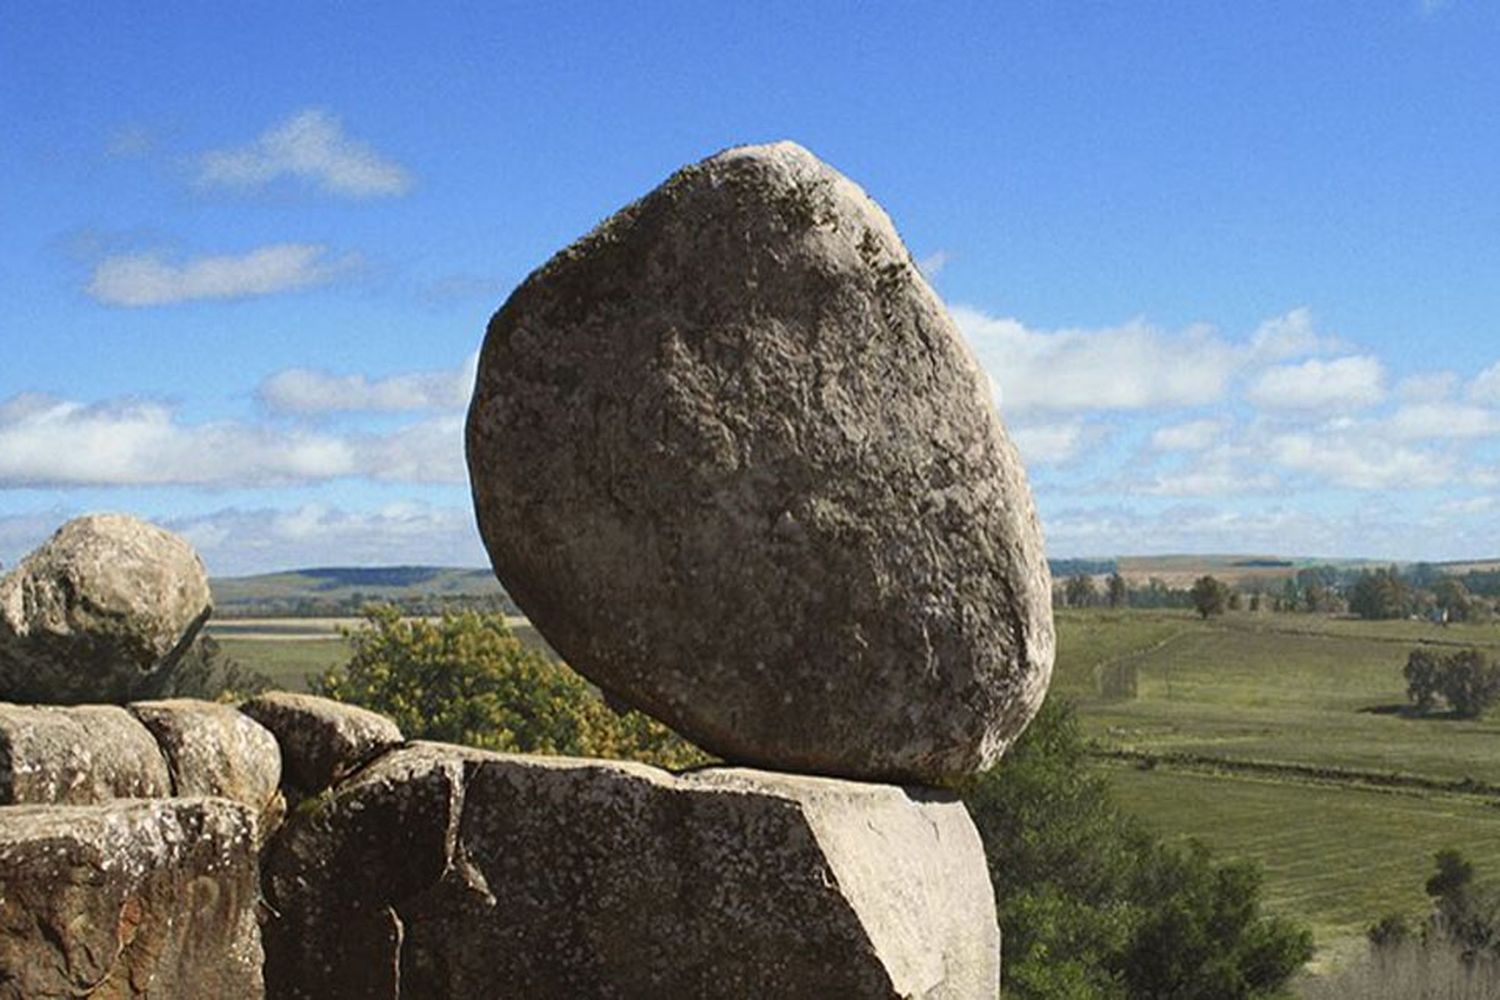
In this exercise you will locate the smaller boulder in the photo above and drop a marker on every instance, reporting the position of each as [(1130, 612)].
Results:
[(321, 740), (77, 755), (129, 899), (102, 612), (217, 750)]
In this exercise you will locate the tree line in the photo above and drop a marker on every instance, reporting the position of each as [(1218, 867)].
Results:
[(1382, 593)]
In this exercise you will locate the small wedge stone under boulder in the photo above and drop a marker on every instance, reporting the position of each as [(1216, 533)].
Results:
[(102, 612), (77, 755), (321, 740), (444, 872), (148, 898), (734, 460)]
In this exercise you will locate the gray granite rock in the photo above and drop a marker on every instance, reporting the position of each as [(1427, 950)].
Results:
[(149, 898), (101, 612), (216, 750), (444, 872), (77, 755), (321, 740), (734, 460)]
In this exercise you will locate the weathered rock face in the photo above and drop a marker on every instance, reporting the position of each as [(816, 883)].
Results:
[(152, 898), (734, 460), (77, 756), (101, 612), (215, 750), (321, 740), (443, 872)]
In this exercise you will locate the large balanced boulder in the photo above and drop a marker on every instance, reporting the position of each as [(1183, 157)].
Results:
[(215, 750), (77, 755), (148, 898), (103, 611), (443, 872), (732, 457)]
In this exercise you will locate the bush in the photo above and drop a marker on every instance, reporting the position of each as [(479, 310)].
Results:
[(465, 678), (207, 672), (1464, 679), (1093, 907)]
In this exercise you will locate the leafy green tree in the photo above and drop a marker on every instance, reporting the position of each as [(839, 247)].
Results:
[(1452, 598), (1093, 907), (1465, 679), (1210, 596), (1080, 592), (1381, 594), (1116, 590), (466, 678)]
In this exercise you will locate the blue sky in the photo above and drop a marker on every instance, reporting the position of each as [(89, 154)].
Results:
[(1234, 268)]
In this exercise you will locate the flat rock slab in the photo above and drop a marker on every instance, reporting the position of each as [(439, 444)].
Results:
[(102, 612), (732, 457), (321, 739), (150, 898), (444, 872), (218, 751), (77, 755)]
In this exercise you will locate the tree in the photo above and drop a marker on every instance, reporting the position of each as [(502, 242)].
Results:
[(1118, 592), (466, 678), (1452, 599), (1381, 594), (1093, 907), (1210, 596), (1465, 679), (1080, 591)]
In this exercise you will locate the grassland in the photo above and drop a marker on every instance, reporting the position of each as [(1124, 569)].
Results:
[(1279, 738)]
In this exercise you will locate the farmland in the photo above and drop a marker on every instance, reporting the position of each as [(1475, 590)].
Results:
[(1278, 738), (1272, 737)]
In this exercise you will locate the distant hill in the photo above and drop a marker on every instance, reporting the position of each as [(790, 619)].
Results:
[(334, 590)]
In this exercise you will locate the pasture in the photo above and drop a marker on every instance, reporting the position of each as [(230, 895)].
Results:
[(1279, 738)]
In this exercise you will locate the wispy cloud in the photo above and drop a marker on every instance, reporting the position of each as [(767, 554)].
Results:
[(1346, 383), (1053, 443), (1192, 435), (932, 265), (310, 146), (50, 442), (1130, 367), (306, 392), (148, 279)]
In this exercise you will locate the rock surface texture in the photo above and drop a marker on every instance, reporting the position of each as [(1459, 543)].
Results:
[(77, 755), (142, 899), (101, 612), (215, 750), (734, 460), (444, 872), (321, 740)]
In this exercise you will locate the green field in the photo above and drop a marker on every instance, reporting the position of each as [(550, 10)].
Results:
[(290, 650), (1273, 738)]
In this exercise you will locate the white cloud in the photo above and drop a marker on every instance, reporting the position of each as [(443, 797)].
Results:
[(1428, 387), (1051, 443), (1444, 420), (305, 392), (1360, 459), (47, 442), (1290, 335), (1486, 385), (1343, 383), (149, 280), (311, 146), (1194, 435), (1130, 367)]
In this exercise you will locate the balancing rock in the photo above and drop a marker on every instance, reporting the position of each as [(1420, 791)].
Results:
[(732, 457)]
